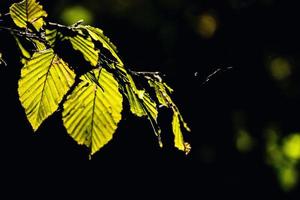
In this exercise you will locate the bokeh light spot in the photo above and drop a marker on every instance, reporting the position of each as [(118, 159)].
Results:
[(280, 68), (244, 141), (72, 14), (288, 178), (283, 155), (291, 146), (207, 25)]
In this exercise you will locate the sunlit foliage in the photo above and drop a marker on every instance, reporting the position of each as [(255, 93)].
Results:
[(90, 92)]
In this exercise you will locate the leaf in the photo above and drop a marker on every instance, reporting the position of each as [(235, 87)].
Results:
[(78, 40), (51, 35), (91, 114), (97, 35), (135, 98), (178, 138), (150, 108), (45, 79), (141, 104), (161, 93), (161, 90), (135, 104), (86, 47), (27, 12), (39, 45), (25, 54)]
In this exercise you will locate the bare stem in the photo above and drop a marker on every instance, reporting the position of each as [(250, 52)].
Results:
[(22, 33)]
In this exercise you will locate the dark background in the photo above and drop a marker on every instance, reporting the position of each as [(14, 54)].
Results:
[(166, 36)]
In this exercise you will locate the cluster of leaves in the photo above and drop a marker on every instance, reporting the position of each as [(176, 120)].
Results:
[(91, 90)]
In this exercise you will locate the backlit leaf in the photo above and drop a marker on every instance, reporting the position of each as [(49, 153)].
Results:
[(141, 104), (24, 53), (97, 34), (178, 138), (28, 12), (39, 45), (91, 114), (162, 91), (86, 47), (92, 110), (78, 40), (45, 79), (51, 36)]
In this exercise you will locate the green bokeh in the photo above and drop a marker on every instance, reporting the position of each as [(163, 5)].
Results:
[(72, 14)]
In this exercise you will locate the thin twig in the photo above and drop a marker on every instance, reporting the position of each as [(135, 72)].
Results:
[(149, 75), (3, 61), (214, 73), (75, 25), (21, 33)]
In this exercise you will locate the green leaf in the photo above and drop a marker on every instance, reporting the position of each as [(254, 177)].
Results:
[(39, 45), (86, 46), (136, 99), (136, 106), (78, 40), (45, 79), (150, 108), (28, 12), (141, 104), (51, 36), (162, 91), (178, 138), (91, 114), (25, 54), (97, 35)]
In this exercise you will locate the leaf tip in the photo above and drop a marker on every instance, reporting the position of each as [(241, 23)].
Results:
[(34, 126), (161, 145), (187, 148)]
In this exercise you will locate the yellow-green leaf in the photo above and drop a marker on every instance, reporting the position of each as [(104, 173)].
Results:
[(150, 109), (161, 90), (141, 104), (161, 93), (28, 11), (51, 36), (135, 100), (91, 114), (97, 35), (86, 47), (45, 79), (134, 103), (79, 41), (168, 88), (39, 45), (25, 54), (178, 137), (149, 106)]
